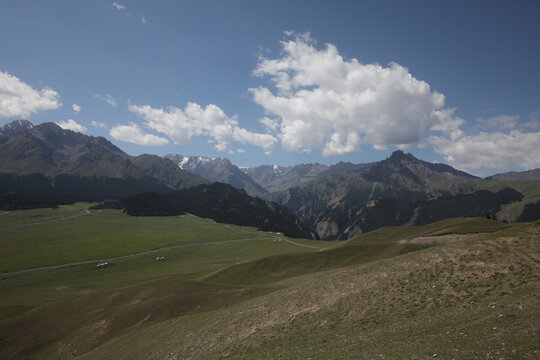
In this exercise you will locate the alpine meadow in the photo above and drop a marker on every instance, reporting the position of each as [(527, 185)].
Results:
[(269, 180)]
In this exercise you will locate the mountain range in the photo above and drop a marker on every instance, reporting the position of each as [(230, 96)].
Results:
[(344, 203), (218, 170), (46, 165), (49, 150), (345, 199), (277, 178)]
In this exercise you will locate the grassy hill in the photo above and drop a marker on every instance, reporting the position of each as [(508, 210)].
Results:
[(379, 244), (459, 288), (476, 298)]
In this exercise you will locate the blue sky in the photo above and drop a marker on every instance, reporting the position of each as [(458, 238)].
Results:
[(283, 82)]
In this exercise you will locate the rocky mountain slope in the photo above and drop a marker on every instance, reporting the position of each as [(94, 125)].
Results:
[(278, 178), (220, 170), (50, 150), (15, 127), (68, 165), (360, 198)]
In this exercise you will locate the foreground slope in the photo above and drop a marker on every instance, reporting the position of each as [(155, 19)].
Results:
[(476, 298), (379, 244)]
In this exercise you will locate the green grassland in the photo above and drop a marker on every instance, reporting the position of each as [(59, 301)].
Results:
[(192, 247), (459, 288), (42, 237)]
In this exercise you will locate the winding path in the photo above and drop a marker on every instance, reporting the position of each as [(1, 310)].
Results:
[(86, 262)]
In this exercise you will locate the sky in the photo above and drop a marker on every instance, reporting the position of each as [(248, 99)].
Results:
[(282, 82)]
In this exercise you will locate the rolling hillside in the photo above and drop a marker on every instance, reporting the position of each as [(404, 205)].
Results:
[(475, 298), (461, 288)]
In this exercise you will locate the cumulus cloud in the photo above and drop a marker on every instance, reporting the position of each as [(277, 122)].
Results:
[(72, 125), (488, 150), (271, 125), (181, 125), (500, 122), (321, 100), (98, 124), (76, 108), (133, 134), (20, 99), (449, 125), (106, 98), (496, 150)]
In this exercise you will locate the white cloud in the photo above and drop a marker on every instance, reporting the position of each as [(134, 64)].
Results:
[(485, 150), (240, 151), (98, 124), (271, 125), (72, 125), (181, 125), (500, 122), (133, 134), (448, 125), (118, 6), (20, 99), (496, 150), (143, 20), (339, 146), (107, 98), (76, 108), (323, 100)]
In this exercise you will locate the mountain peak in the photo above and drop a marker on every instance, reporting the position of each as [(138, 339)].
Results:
[(15, 127), (217, 169), (399, 155)]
